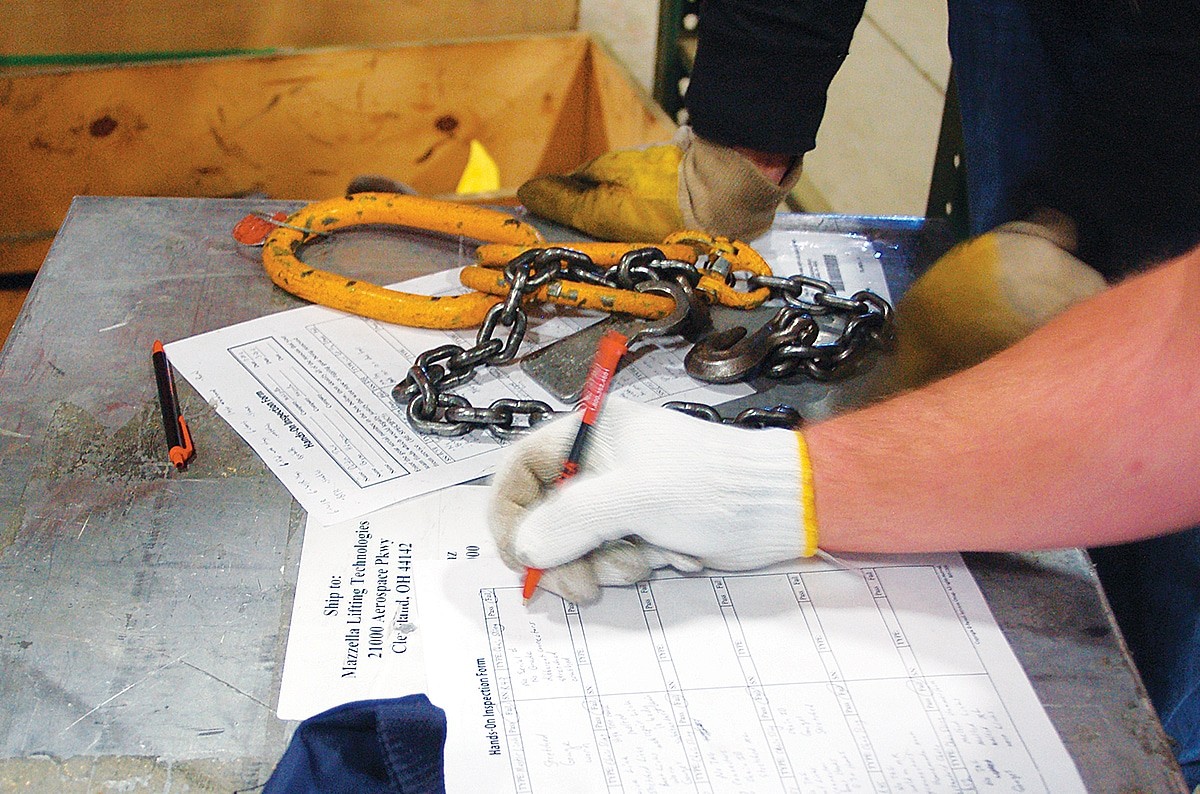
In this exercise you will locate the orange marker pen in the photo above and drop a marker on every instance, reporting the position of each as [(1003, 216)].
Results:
[(608, 355)]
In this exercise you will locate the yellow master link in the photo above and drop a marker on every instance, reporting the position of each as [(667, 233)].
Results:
[(505, 237)]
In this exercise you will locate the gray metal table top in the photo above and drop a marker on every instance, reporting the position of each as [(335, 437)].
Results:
[(144, 612)]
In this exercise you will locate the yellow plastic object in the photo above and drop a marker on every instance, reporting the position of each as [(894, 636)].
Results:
[(481, 174), (370, 300)]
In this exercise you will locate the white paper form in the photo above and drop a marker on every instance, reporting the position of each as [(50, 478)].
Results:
[(890, 678), (849, 263), (310, 390), (356, 632)]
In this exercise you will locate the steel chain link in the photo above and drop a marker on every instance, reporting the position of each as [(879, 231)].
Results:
[(431, 409), (868, 326)]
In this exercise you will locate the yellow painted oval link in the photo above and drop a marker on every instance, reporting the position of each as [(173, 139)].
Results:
[(740, 256), (575, 293), (371, 300)]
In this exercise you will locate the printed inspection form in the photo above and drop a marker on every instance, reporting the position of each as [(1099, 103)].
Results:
[(889, 676), (806, 677), (310, 389)]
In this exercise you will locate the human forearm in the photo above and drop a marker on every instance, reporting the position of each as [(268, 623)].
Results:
[(1084, 433)]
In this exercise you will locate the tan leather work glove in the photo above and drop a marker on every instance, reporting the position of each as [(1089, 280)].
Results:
[(642, 195), (987, 293)]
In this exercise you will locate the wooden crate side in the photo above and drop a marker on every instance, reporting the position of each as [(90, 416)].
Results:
[(564, 147), (22, 255), (622, 114), (546, 115), (295, 126), (135, 26), (606, 110)]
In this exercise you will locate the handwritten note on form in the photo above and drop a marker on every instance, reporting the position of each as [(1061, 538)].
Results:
[(893, 677)]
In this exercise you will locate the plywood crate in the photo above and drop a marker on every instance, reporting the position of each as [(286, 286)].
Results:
[(299, 125), (49, 29)]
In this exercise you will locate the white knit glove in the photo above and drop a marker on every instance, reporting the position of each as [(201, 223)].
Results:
[(655, 488)]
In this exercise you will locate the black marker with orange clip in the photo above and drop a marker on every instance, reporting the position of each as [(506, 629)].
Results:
[(612, 346), (179, 438)]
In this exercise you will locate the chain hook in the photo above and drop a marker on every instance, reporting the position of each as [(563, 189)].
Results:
[(732, 355)]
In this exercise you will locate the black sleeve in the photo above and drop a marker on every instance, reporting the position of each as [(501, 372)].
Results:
[(763, 68)]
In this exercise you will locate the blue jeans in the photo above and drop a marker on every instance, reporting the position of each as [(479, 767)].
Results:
[(388, 746), (1090, 108), (1020, 67), (1009, 97)]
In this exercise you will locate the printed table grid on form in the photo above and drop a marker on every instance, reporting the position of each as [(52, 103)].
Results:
[(712, 700)]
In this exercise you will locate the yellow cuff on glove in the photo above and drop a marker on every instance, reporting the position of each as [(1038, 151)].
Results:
[(808, 498)]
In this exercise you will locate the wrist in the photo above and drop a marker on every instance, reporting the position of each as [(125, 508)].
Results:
[(730, 191), (773, 166)]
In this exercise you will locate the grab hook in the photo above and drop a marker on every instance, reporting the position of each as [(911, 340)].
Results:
[(730, 355)]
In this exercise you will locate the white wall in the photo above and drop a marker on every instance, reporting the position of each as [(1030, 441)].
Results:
[(630, 28), (876, 145)]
